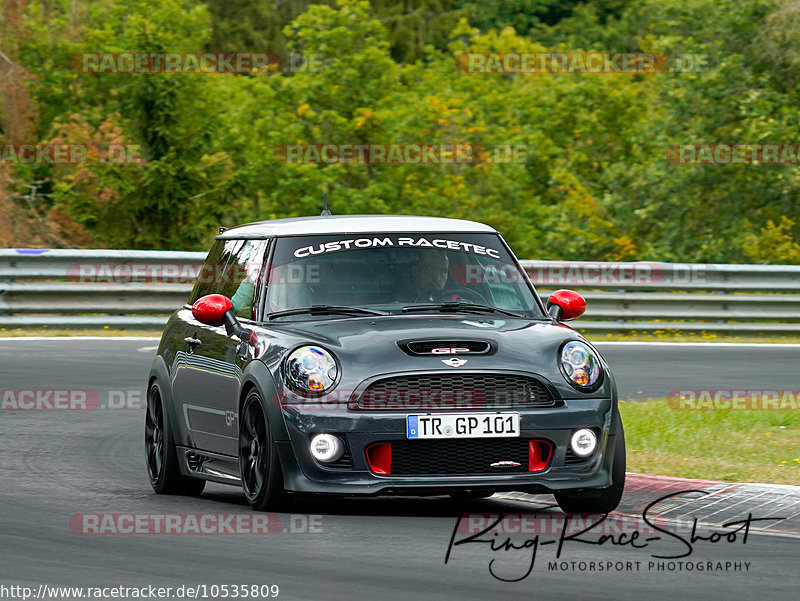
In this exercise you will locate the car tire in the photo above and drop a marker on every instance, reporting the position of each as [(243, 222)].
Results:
[(260, 469), (604, 500), (160, 454)]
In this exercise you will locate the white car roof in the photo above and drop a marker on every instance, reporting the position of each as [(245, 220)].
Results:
[(353, 224)]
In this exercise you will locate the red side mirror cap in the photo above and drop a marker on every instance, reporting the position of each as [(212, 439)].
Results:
[(209, 309), (571, 304)]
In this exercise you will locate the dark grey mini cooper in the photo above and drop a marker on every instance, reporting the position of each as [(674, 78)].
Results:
[(365, 355)]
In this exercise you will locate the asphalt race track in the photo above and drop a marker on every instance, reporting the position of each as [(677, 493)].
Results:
[(57, 464)]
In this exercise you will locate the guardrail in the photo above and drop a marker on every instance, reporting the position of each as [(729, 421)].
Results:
[(139, 289), (89, 288), (686, 297)]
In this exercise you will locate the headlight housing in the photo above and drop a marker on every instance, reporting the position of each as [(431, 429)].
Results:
[(581, 366), (311, 370)]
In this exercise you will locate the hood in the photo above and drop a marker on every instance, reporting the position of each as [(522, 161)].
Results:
[(369, 346)]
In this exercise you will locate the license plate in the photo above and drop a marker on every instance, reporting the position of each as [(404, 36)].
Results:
[(463, 425)]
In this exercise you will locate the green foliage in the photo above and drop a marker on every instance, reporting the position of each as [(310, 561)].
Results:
[(521, 15), (775, 243), (248, 26), (595, 182)]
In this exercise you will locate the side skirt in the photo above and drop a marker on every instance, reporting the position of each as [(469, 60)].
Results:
[(222, 469)]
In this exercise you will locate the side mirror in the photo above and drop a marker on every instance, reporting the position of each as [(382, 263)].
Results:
[(565, 305), (210, 309), (217, 310)]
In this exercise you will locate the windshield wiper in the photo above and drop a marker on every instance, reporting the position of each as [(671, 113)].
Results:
[(325, 310), (460, 306)]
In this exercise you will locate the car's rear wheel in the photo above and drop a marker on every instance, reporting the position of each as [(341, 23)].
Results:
[(262, 479), (604, 500), (159, 444)]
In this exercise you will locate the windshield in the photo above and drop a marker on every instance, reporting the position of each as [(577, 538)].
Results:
[(388, 272)]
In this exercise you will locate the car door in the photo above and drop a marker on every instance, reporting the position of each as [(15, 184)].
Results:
[(213, 362)]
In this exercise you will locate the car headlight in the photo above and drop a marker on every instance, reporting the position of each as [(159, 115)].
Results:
[(580, 365), (311, 369)]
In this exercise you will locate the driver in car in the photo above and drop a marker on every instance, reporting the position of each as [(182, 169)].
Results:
[(430, 277)]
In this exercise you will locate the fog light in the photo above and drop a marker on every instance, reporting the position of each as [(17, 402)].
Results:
[(326, 448), (583, 442)]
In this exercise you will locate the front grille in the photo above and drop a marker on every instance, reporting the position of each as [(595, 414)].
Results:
[(458, 457), (425, 347), (462, 391)]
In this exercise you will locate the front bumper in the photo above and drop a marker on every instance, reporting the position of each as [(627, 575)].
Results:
[(302, 473)]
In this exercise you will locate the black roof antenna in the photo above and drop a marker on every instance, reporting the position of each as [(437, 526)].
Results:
[(325, 211)]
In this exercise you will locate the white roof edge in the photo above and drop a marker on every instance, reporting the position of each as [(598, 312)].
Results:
[(353, 224)]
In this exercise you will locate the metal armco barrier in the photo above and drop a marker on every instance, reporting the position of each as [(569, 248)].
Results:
[(120, 289), (139, 289), (688, 297)]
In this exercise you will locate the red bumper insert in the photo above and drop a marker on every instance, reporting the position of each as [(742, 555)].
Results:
[(539, 452), (379, 458)]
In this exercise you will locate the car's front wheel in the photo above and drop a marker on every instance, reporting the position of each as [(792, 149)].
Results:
[(604, 500), (162, 458), (262, 479)]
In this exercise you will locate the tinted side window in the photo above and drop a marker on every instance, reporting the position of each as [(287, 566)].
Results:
[(206, 280), (241, 275), (232, 268)]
